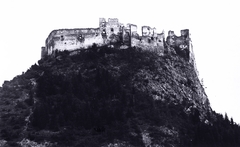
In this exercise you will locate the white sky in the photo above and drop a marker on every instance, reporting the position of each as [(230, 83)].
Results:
[(214, 26)]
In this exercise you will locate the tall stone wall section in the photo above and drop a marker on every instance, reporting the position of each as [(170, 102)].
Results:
[(72, 39), (181, 44), (151, 40), (112, 32)]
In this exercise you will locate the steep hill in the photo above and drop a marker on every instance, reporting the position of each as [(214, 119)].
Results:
[(110, 97)]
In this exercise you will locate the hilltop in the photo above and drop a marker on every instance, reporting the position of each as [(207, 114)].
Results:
[(105, 96)]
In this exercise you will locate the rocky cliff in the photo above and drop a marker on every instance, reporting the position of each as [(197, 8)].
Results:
[(110, 97)]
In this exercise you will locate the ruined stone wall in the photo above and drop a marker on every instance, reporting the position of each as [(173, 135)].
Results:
[(112, 26), (78, 38), (109, 32), (154, 32), (132, 27), (102, 26), (192, 56), (147, 31), (180, 43), (160, 40), (71, 39), (126, 36), (151, 40), (185, 33), (112, 32), (147, 44), (44, 52), (171, 33), (135, 38)]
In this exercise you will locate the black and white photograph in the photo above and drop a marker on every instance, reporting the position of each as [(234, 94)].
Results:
[(119, 73)]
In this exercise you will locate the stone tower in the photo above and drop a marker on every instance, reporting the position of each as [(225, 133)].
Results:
[(102, 27)]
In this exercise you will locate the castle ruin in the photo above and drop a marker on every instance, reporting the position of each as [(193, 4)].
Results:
[(113, 32)]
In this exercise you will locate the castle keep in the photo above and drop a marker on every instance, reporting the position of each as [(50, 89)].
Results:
[(112, 32)]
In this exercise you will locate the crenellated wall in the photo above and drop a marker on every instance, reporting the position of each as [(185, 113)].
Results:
[(110, 29), (147, 31), (112, 32), (109, 32), (181, 44)]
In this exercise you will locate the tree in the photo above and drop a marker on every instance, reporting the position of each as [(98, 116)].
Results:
[(226, 118), (232, 122)]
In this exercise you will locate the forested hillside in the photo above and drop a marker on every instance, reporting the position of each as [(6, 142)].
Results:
[(104, 96)]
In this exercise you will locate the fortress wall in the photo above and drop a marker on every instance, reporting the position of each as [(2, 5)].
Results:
[(171, 33), (112, 31), (135, 42), (146, 31), (160, 39), (112, 26), (154, 32), (43, 52), (126, 36), (148, 43), (149, 40), (69, 43), (102, 26), (89, 41), (132, 27), (191, 54), (180, 43), (72, 43), (134, 35), (50, 50), (70, 39), (71, 32), (185, 33), (171, 38), (53, 33)]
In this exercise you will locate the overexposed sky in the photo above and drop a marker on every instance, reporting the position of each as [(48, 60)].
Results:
[(214, 26)]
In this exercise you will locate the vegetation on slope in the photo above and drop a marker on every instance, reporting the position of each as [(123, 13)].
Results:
[(102, 96)]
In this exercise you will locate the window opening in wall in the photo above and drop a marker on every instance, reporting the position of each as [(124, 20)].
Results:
[(152, 38), (149, 40), (62, 38), (112, 29), (103, 24), (80, 38), (104, 32)]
